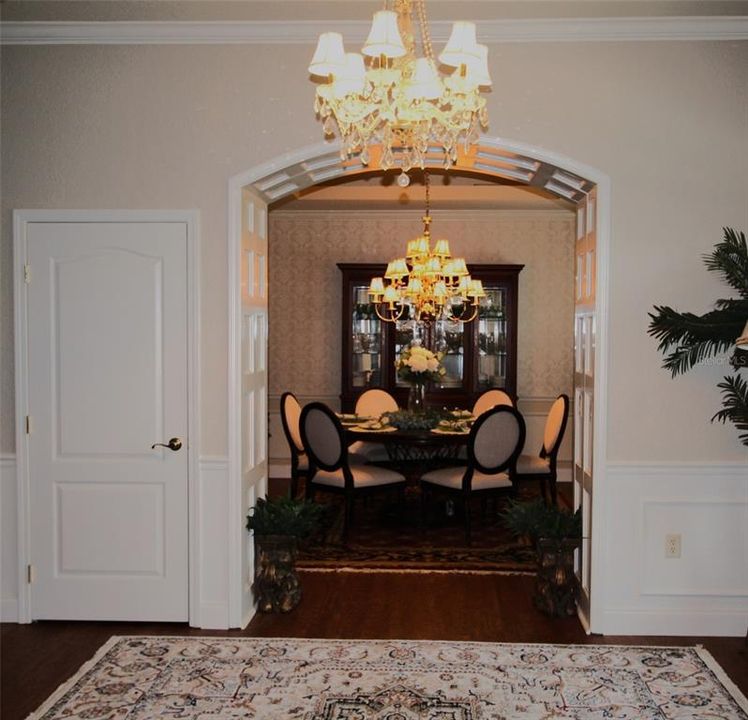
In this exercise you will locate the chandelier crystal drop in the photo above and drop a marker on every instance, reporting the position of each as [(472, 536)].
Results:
[(392, 96), (428, 282)]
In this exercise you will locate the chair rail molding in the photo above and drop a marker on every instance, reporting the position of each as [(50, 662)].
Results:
[(305, 32)]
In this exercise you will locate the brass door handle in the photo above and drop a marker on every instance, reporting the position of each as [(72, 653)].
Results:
[(173, 444)]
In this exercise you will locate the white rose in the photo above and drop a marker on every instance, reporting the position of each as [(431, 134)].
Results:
[(418, 363), (433, 364)]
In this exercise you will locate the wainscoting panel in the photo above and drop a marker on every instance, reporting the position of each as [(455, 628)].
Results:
[(705, 590), (8, 540), (214, 536)]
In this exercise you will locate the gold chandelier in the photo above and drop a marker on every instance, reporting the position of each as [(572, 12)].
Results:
[(389, 96), (428, 281)]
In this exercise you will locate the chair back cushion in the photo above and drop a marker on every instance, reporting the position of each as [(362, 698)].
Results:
[(496, 439), (555, 424), (489, 399), (291, 413), (322, 436), (374, 402)]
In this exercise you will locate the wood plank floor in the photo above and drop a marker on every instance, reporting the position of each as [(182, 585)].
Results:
[(36, 658)]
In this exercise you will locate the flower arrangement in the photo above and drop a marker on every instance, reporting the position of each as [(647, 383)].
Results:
[(418, 365)]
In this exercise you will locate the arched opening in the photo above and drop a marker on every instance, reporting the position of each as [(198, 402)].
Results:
[(584, 188)]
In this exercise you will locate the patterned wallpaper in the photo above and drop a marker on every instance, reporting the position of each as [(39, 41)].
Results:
[(305, 286)]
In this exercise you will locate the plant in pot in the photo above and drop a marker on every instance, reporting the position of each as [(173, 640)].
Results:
[(278, 525), (555, 533)]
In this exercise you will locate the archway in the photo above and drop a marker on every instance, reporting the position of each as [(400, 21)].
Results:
[(498, 158)]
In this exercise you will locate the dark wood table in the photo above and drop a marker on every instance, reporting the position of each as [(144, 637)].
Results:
[(417, 446)]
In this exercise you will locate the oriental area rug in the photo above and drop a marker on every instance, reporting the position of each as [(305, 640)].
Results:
[(386, 536), (141, 678)]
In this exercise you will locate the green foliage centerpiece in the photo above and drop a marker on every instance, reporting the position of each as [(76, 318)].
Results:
[(418, 366)]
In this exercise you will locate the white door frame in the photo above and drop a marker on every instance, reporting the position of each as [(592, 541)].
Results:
[(21, 220), (308, 155)]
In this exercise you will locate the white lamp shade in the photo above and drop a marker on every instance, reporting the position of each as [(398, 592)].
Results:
[(425, 83), (329, 57), (462, 47), (477, 68), (351, 78), (384, 36)]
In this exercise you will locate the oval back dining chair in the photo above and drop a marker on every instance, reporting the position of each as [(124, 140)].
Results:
[(372, 403), (330, 469), (542, 466), (495, 442), (290, 417), (491, 398)]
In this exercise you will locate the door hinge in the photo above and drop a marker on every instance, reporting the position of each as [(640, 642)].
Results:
[(28, 424), (27, 273), (30, 574)]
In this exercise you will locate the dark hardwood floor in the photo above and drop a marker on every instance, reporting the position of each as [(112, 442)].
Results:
[(36, 658)]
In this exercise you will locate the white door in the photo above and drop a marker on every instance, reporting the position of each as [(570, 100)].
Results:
[(254, 381), (585, 331), (107, 378)]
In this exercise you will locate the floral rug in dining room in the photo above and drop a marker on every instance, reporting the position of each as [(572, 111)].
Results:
[(384, 536), (140, 678)]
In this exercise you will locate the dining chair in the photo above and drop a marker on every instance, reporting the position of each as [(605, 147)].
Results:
[(494, 444), (290, 417), (491, 398), (542, 466), (372, 403), (330, 469)]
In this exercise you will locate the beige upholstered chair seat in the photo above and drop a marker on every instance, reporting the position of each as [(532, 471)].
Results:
[(533, 465), (451, 477), (363, 476), (364, 451)]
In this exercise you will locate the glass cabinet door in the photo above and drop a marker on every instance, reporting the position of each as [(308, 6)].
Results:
[(366, 336), (449, 338), (492, 339)]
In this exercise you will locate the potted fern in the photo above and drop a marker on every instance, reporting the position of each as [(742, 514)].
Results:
[(555, 533), (278, 525)]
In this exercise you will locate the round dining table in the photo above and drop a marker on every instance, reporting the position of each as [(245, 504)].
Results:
[(420, 446)]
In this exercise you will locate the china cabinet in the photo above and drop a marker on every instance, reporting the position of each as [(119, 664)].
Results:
[(476, 356)]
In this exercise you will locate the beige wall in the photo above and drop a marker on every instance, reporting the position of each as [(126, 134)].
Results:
[(305, 286), (149, 126)]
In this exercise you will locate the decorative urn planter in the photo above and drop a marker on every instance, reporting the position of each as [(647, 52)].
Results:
[(556, 582), (276, 586)]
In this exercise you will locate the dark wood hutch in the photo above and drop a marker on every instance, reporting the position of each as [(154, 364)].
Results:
[(477, 355)]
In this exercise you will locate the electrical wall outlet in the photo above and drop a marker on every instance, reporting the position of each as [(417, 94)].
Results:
[(672, 545)]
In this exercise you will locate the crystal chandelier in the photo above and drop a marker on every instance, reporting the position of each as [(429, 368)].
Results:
[(390, 96), (428, 281)]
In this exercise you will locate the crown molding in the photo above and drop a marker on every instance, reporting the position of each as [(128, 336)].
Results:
[(303, 32)]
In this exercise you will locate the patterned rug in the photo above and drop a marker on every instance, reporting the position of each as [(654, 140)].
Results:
[(386, 536), (140, 678)]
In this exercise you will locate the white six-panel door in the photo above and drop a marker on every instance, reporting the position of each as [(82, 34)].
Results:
[(107, 378)]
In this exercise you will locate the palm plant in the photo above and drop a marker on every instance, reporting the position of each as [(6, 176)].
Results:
[(687, 339)]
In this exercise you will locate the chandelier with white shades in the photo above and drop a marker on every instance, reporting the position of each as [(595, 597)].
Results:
[(392, 95), (428, 282)]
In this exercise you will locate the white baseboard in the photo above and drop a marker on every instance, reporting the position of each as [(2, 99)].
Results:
[(675, 623), (214, 616), (9, 610)]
